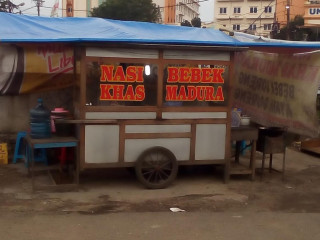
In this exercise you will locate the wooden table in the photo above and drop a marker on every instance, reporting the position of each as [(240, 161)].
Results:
[(239, 134), (53, 142)]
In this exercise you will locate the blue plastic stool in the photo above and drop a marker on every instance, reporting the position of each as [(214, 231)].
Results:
[(40, 155), (18, 147)]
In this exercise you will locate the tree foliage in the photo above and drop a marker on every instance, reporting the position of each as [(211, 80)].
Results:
[(128, 10), (4, 7), (294, 31), (8, 6), (186, 23), (195, 22)]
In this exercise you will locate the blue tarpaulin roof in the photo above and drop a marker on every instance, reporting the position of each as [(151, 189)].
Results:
[(258, 41), (21, 28), (32, 29)]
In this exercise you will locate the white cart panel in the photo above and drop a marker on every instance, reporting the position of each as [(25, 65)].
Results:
[(101, 144), (180, 147), (210, 141), (158, 128)]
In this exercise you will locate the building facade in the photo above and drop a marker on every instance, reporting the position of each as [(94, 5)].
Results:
[(250, 16), (186, 10), (172, 11), (167, 9), (312, 14), (286, 10), (79, 8)]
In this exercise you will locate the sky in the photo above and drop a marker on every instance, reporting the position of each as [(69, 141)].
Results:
[(206, 10), (29, 8)]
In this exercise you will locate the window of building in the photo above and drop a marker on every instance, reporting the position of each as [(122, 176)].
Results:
[(253, 27), (236, 10), (236, 27), (223, 10), (268, 9), (253, 9), (267, 26)]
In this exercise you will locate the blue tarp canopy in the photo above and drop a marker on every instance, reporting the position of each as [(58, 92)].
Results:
[(22, 29), (33, 29), (250, 40)]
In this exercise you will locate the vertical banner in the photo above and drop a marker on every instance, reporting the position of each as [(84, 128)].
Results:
[(279, 89)]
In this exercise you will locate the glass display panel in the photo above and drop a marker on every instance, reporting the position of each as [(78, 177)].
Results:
[(195, 85), (124, 84)]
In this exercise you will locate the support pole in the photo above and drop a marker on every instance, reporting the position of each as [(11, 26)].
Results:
[(38, 5), (288, 19)]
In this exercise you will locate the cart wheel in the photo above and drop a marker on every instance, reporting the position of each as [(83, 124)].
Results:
[(156, 168)]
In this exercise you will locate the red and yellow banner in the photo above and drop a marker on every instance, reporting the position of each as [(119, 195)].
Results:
[(279, 89), (35, 68)]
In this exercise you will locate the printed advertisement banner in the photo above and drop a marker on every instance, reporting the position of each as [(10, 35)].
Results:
[(279, 89), (35, 68)]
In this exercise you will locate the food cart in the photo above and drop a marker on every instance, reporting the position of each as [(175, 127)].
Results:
[(154, 109), (148, 96)]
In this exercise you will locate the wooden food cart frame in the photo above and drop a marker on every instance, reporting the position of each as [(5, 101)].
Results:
[(190, 122)]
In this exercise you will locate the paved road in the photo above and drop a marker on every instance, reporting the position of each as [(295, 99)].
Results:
[(183, 225), (115, 206)]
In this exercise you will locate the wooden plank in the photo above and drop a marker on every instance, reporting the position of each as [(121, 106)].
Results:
[(52, 142), (174, 121), (132, 164), (312, 143), (120, 108), (193, 142), (83, 86), (86, 121), (195, 109), (315, 150), (109, 165), (203, 162), (122, 136), (108, 60), (160, 85), (205, 62)]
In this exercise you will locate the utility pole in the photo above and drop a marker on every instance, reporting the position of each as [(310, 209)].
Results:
[(288, 19), (39, 4)]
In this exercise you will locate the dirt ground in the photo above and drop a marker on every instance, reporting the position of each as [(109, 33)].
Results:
[(198, 189)]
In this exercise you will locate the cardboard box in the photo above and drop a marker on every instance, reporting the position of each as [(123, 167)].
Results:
[(3, 158), (3, 148), (3, 153)]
